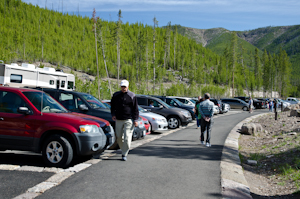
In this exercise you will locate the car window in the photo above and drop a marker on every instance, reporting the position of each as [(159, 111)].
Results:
[(93, 102), (69, 101), (10, 102), (142, 101), (155, 103), (44, 102)]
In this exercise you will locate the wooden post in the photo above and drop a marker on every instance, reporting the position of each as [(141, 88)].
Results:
[(275, 108)]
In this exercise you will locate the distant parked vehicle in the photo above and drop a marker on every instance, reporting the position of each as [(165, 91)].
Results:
[(257, 103), (220, 105), (157, 122), (236, 103), (175, 116), (185, 100), (292, 100), (172, 101)]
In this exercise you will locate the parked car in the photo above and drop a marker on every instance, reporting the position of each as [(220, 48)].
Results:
[(172, 101), (292, 100), (147, 125), (139, 131), (33, 121), (185, 100), (175, 116), (220, 105), (226, 107), (282, 103), (86, 104), (216, 110), (157, 122), (236, 103), (257, 103)]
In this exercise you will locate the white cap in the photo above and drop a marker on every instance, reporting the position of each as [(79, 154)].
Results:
[(124, 83)]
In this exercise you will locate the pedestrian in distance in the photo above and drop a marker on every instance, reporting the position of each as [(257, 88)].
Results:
[(124, 111), (271, 105), (197, 115), (206, 109), (250, 105)]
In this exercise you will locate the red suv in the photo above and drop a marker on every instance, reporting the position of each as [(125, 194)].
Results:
[(31, 120)]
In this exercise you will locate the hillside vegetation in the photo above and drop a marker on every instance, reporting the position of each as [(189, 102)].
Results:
[(271, 39), (148, 56)]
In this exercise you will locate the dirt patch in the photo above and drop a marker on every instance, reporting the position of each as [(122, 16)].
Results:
[(277, 152)]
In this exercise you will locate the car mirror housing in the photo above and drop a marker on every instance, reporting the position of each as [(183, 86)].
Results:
[(161, 107), (24, 110), (83, 107)]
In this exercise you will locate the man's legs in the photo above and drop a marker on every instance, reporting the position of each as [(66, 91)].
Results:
[(208, 133), (203, 128), (124, 130)]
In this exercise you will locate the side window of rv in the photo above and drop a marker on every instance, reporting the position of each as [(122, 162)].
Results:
[(16, 78), (70, 85), (63, 84), (51, 82)]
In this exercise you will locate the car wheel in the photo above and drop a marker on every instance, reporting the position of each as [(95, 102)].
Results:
[(173, 122), (135, 135), (245, 108), (57, 151)]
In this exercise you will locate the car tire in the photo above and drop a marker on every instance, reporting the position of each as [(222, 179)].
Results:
[(245, 108), (173, 122), (135, 135), (57, 151)]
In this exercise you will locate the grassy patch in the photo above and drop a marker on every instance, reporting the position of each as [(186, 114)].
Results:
[(257, 156)]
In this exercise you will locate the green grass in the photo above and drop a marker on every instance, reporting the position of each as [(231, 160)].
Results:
[(257, 156)]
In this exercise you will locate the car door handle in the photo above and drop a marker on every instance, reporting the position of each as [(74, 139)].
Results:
[(1, 118)]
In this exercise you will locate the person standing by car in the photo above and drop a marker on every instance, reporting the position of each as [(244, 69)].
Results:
[(197, 115), (271, 104), (124, 110), (206, 109), (250, 105)]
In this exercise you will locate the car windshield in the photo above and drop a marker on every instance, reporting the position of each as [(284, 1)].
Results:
[(193, 101), (93, 102), (163, 103), (177, 101), (142, 110), (44, 103)]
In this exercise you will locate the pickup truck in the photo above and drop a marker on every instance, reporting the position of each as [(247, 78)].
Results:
[(31, 120)]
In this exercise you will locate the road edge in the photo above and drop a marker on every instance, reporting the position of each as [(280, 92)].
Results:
[(233, 182)]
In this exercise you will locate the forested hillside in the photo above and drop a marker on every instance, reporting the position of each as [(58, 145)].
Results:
[(148, 56), (271, 39)]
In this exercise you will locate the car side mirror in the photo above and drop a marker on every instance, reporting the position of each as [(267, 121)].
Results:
[(24, 110), (83, 107), (160, 106)]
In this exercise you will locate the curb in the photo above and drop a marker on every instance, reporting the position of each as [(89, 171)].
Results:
[(233, 182)]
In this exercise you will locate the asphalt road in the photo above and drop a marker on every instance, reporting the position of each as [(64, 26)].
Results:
[(173, 166)]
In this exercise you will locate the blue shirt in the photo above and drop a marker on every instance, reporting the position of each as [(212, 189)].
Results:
[(206, 108)]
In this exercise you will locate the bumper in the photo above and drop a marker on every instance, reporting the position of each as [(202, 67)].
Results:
[(159, 125), (88, 144), (110, 136), (185, 121)]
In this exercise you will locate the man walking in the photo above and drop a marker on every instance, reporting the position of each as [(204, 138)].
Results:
[(250, 105), (124, 110), (206, 109), (197, 114)]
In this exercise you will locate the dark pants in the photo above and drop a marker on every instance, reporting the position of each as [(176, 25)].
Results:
[(198, 121), (206, 126)]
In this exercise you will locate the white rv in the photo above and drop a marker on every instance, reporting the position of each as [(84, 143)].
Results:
[(27, 75)]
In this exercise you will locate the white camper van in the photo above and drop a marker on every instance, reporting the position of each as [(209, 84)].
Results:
[(27, 75)]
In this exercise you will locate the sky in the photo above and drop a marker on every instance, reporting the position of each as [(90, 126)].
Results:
[(234, 15)]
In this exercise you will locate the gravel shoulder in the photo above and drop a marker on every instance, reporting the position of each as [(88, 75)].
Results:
[(277, 152)]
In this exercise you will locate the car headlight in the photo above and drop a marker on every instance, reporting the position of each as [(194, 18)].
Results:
[(89, 129), (157, 119), (186, 113)]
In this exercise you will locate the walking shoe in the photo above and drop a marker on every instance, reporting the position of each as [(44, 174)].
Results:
[(124, 158), (208, 144), (202, 142)]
